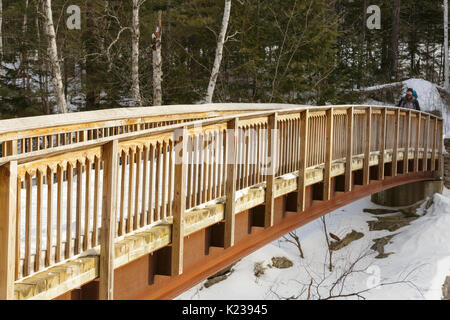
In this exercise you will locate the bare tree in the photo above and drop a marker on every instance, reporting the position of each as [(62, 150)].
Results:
[(219, 52), (321, 287), (157, 62), (446, 64), (135, 87), (58, 86), (294, 239), (330, 251)]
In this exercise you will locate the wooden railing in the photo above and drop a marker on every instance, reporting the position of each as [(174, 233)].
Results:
[(54, 202)]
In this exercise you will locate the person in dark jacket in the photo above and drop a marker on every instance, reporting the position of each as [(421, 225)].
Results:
[(409, 101)]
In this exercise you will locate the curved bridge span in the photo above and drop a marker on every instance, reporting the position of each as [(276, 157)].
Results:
[(144, 203)]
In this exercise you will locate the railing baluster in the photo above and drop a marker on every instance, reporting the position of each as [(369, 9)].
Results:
[(395, 148), (328, 155), (433, 151), (50, 177), (349, 154), (87, 205), (39, 212), (68, 249), (366, 168), (408, 143), (144, 188), (425, 148), (137, 218)]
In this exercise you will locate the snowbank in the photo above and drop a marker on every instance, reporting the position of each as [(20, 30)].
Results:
[(416, 269)]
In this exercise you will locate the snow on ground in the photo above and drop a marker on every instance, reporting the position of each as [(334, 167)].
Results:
[(416, 269)]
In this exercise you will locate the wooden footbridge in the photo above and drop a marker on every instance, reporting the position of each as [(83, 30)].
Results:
[(145, 203)]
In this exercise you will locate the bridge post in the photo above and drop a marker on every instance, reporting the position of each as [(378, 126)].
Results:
[(328, 155), (270, 176), (230, 189), (179, 203), (408, 142), (395, 148), (107, 231), (303, 150), (382, 145), (418, 133), (366, 166), (8, 214), (349, 154)]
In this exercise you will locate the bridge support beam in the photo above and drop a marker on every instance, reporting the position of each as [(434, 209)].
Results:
[(272, 170)]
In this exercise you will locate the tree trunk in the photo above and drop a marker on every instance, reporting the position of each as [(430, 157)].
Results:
[(135, 90), (394, 46), (1, 31), (157, 63), (446, 67), (219, 52), (58, 86)]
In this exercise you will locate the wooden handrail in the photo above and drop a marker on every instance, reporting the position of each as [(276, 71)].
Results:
[(144, 185)]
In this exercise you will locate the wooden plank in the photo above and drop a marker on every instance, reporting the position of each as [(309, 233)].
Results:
[(8, 194), (109, 203), (230, 189), (426, 146), (418, 134), (179, 203), (408, 143), (433, 151), (303, 149), (366, 165), (395, 148), (272, 131), (349, 149), (328, 155)]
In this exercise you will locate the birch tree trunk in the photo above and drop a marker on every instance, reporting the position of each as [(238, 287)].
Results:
[(395, 28), (58, 86), (446, 60), (157, 63), (1, 30), (135, 89), (219, 52)]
